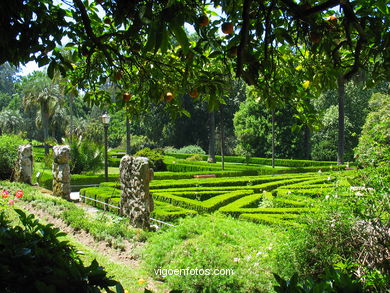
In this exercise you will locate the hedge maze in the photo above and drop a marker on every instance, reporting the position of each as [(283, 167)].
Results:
[(271, 199)]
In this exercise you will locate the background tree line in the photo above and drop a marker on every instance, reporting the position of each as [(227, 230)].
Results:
[(39, 109)]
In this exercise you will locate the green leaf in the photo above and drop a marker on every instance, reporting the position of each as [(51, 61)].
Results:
[(181, 36), (150, 44), (51, 68), (215, 54), (159, 37)]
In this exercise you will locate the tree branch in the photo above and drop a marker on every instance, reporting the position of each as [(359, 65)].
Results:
[(243, 35), (304, 13), (88, 29)]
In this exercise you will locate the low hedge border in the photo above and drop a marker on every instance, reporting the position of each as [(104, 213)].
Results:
[(272, 219), (77, 180), (166, 212), (262, 161), (209, 205)]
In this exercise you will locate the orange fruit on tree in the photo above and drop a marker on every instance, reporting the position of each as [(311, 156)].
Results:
[(126, 97), (194, 93), (168, 97), (203, 20), (331, 18), (227, 28)]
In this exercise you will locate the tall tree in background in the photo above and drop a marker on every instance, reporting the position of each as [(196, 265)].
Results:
[(39, 90)]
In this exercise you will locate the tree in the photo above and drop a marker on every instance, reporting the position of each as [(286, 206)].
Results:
[(374, 143), (38, 89), (253, 128), (11, 122), (146, 41), (356, 110)]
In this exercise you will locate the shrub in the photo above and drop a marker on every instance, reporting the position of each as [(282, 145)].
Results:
[(374, 144), (138, 142), (9, 145), (356, 231), (170, 149), (195, 158), (156, 158), (192, 149), (34, 259), (85, 156)]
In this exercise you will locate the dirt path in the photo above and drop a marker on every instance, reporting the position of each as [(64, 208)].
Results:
[(124, 257)]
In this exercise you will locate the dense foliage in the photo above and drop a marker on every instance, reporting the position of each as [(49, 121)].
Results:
[(35, 258), (156, 158), (374, 144), (253, 128), (86, 156), (9, 145)]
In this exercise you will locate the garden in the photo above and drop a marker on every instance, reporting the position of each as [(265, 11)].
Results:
[(266, 130)]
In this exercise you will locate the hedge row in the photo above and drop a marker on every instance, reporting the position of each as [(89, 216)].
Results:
[(180, 166), (272, 219), (77, 180), (167, 212), (209, 205), (229, 181), (250, 204), (163, 211), (262, 161)]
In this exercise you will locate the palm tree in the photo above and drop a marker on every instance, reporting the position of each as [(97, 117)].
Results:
[(39, 90), (10, 121)]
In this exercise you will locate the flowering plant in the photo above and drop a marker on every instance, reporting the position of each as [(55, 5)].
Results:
[(8, 200)]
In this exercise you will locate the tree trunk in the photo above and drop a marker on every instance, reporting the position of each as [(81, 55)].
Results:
[(307, 136), (273, 138), (71, 119), (211, 158), (45, 124), (127, 135), (341, 137), (222, 146)]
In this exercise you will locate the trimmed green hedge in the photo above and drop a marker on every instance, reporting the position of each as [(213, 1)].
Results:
[(166, 212), (262, 161), (46, 180), (209, 205), (272, 219)]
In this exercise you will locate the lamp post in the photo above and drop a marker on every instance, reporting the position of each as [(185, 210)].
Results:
[(106, 120)]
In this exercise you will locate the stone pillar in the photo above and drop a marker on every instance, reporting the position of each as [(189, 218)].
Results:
[(61, 171), (24, 164), (136, 200)]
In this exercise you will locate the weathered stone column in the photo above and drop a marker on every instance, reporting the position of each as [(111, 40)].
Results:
[(24, 164), (61, 171), (136, 200)]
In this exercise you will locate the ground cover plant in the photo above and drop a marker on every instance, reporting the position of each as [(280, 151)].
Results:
[(33, 256)]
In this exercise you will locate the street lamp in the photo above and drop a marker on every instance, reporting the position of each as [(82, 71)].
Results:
[(106, 120)]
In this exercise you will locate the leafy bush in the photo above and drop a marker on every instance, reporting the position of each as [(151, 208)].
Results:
[(374, 144), (170, 149), (192, 149), (332, 281), (138, 142), (356, 229), (156, 158), (9, 145), (85, 156), (195, 158), (34, 259)]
